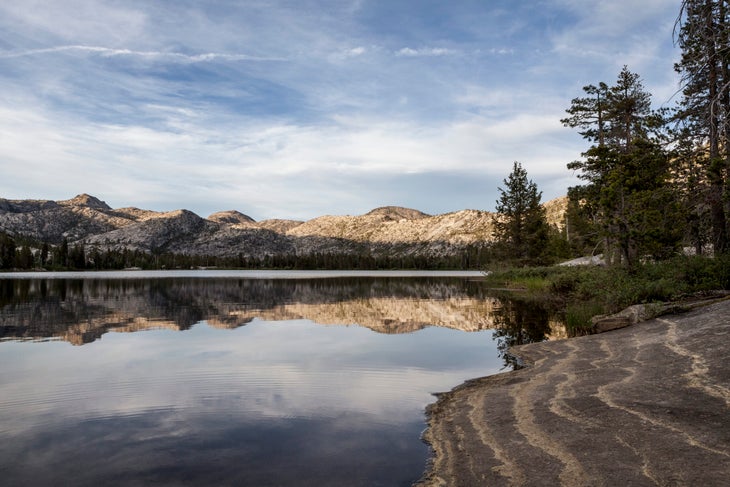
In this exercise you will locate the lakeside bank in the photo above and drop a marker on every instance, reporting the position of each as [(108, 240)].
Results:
[(643, 405)]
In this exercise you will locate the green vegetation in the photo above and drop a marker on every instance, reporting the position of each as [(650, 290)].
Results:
[(654, 182), (521, 231), (628, 203), (578, 316), (703, 118), (658, 180), (582, 292)]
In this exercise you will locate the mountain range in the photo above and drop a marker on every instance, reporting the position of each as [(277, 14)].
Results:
[(393, 230)]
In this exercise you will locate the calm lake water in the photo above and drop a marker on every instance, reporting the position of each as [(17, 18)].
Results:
[(238, 378)]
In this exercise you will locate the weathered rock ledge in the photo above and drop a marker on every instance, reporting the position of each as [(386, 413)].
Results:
[(648, 404)]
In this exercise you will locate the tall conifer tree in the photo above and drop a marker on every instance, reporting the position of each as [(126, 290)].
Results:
[(625, 170), (521, 228), (703, 34)]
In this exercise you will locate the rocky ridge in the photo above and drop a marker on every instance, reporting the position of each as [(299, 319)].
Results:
[(387, 230), (231, 217)]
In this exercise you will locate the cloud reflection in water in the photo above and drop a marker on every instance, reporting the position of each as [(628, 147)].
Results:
[(231, 381), (270, 403)]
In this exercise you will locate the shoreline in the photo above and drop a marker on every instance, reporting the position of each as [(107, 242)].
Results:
[(642, 405)]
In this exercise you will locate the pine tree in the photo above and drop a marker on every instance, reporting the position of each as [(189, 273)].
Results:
[(704, 112), (60, 254), (589, 113), (44, 254), (24, 258), (7, 251), (626, 172), (521, 229)]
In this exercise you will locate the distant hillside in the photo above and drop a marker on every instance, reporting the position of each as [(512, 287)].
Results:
[(231, 217), (555, 211), (52, 221), (390, 230)]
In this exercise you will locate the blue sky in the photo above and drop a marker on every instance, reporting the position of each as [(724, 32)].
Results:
[(300, 108)]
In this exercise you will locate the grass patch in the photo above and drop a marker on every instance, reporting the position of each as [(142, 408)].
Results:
[(527, 278), (578, 317)]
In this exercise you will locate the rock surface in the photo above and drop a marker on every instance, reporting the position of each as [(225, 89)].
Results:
[(555, 210), (643, 405), (231, 217)]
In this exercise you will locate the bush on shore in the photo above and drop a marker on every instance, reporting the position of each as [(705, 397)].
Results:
[(585, 291)]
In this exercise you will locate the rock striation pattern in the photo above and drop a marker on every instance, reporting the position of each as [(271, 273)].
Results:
[(389, 230), (644, 405)]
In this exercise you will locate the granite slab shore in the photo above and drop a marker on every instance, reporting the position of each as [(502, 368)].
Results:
[(645, 405)]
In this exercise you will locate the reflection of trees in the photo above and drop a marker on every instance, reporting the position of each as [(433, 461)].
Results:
[(82, 310), (519, 322)]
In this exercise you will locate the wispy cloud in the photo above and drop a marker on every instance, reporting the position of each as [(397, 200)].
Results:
[(348, 53), (355, 51), (502, 51), (425, 51), (616, 32), (165, 55)]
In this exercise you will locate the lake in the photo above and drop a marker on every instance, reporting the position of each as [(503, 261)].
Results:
[(239, 377)]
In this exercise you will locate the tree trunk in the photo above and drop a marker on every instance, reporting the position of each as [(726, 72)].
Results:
[(724, 28), (717, 162)]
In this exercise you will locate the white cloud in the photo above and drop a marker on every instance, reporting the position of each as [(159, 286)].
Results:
[(348, 53), (356, 51), (425, 51)]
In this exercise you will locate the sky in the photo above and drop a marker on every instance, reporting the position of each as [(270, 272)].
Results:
[(301, 108)]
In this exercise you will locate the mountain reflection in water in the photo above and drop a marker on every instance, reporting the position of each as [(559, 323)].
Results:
[(81, 311), (255, 392)]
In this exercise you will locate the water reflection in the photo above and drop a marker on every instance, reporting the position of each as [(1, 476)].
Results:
[(519, 322), (81, 311), (254, 392)]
